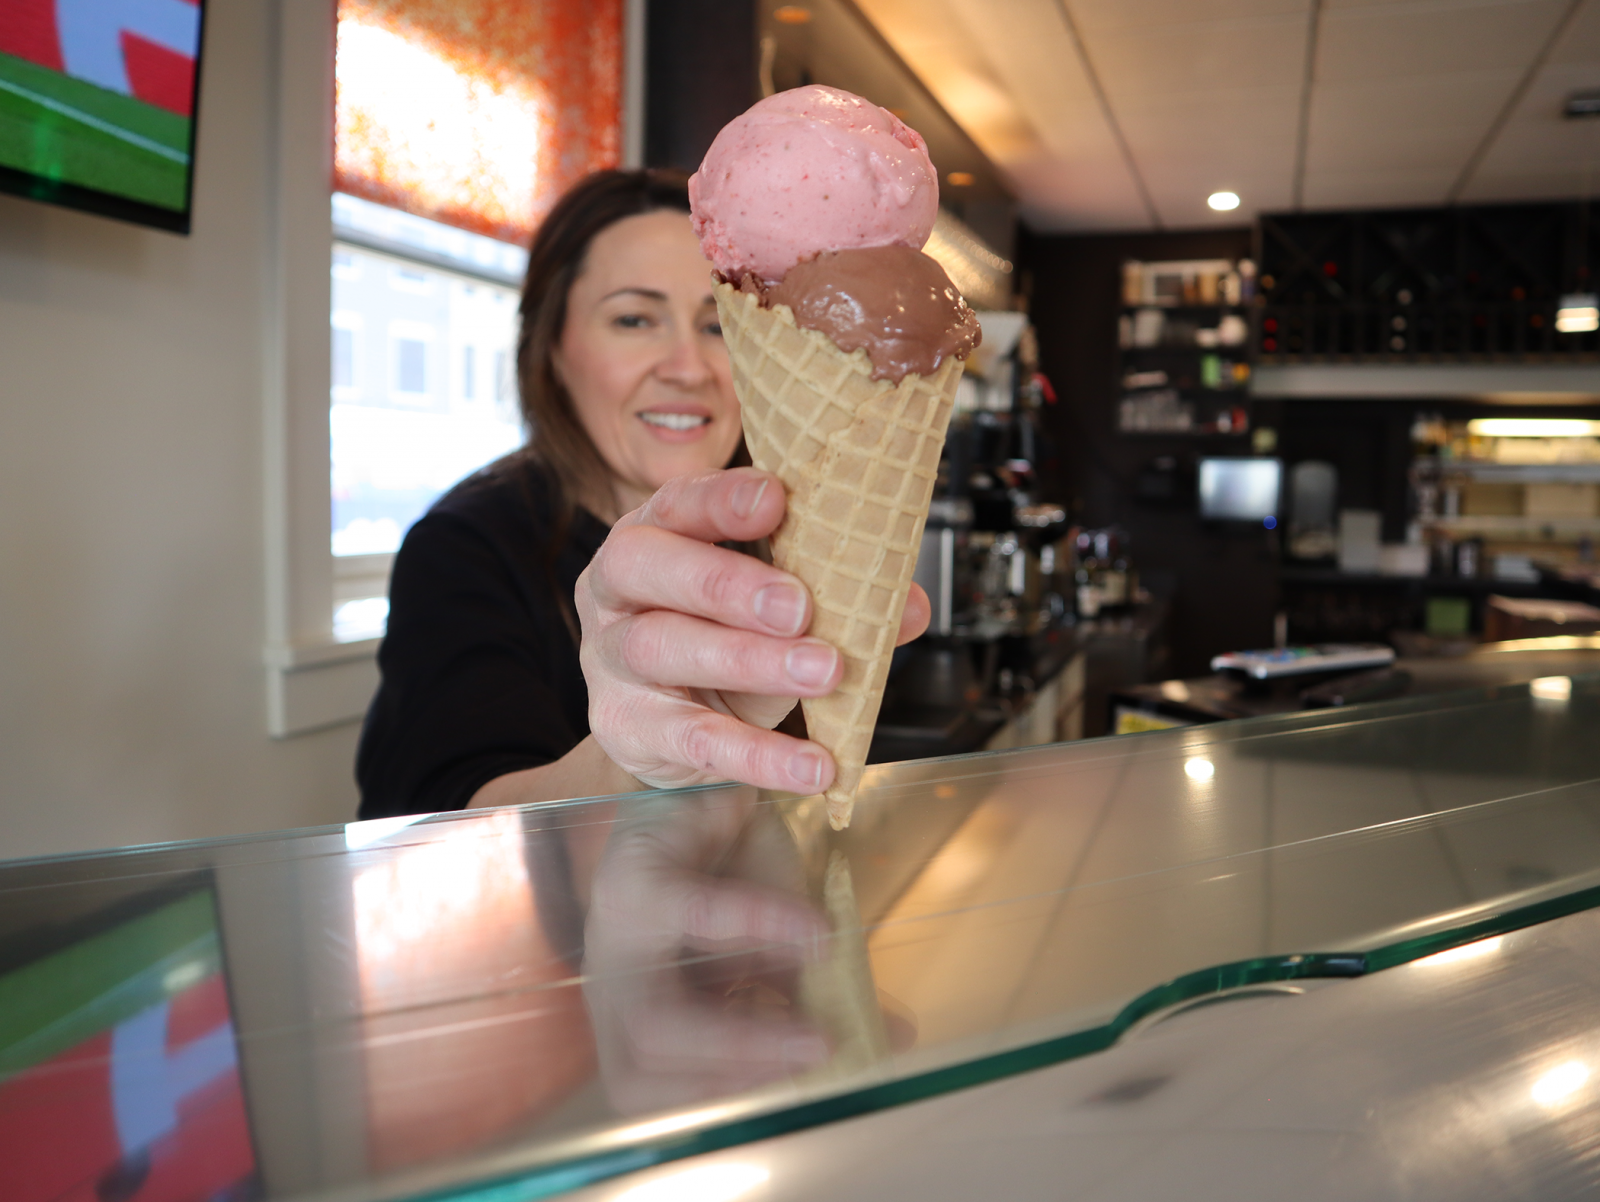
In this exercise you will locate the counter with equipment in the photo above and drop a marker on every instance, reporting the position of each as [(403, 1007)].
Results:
[(660, 991), (1034, 620)]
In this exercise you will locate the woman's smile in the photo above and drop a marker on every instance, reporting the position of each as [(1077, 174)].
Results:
[(676, 423)]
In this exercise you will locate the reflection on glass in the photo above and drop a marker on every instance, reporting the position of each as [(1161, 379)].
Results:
[(699, 937), (1560, 1083), (700, 1183), (119, 1074), (473, 1025)]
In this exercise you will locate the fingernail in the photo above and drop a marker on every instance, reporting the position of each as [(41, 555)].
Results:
[(806, 770), (810, 663), (782, 607), (748, 495)]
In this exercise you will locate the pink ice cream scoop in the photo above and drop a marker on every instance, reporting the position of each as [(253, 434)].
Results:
[(809, 170)]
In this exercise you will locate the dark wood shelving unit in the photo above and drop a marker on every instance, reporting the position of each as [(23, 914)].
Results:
[(1467, 284)]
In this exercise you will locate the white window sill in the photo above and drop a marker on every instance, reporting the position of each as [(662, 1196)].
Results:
[(317, 687)]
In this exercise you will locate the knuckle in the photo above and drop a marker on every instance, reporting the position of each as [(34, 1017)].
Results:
[(720, 586), (742, 661), (665, 503), (639, 646), (699, 742)]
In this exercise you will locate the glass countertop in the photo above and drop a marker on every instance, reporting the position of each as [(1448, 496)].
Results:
[(509, 1004)]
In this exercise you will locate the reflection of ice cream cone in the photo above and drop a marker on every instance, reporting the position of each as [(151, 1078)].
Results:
[(837, 992), (858, 457)]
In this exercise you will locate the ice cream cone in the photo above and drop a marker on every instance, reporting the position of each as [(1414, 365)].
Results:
[(858, 458)]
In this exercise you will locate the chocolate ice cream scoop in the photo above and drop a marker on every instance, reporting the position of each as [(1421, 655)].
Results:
[(895, 303)]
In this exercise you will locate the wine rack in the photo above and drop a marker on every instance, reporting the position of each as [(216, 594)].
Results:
[(1463, 284)]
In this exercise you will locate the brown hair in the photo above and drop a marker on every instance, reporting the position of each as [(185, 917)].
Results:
[(557, 440)]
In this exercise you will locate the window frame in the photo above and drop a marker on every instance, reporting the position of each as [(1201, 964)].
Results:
[(313, 681)]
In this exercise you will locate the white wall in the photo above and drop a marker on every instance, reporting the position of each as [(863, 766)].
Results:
[(132, 592)]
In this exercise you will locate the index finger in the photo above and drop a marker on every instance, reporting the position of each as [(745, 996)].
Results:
[(738, 504)]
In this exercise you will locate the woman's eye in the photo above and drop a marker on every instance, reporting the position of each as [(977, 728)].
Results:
[(631, 321), (714, 329)]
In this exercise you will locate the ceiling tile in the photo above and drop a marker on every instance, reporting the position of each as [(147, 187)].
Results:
[(1409, 41), (1165, 61), (1581, 41), (1147, 15), (1391, 124), (1204, 119), (1539, 151), (1396, 188), (1085, 194), (1183, 205)]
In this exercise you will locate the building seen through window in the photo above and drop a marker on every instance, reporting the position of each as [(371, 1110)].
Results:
[(413, 409)]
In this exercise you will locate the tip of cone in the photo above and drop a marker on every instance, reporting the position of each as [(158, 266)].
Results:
[(839, 811)]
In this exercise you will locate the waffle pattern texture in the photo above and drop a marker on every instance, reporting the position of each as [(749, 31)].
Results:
[(858, 458)]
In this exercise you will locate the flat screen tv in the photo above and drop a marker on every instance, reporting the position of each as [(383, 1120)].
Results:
[(1241, 490), (97, 105)]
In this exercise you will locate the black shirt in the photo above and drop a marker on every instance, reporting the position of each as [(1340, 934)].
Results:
[(480, 668)]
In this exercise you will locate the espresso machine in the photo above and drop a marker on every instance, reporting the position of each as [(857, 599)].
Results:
[(996, 558)]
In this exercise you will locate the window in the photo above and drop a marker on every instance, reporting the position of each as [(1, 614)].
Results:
[(346, 354), (504, 385), (410, 361), (410, 279), (394, 450), (441, 171)]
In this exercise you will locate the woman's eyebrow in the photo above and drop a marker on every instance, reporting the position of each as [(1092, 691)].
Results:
[(647, 293)]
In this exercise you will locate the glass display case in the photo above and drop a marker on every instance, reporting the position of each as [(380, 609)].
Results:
[(516, 1003)]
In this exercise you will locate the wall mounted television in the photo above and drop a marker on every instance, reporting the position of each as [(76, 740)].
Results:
[(97, 105)]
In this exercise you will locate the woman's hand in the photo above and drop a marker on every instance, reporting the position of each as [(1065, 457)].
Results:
[(693, 652)]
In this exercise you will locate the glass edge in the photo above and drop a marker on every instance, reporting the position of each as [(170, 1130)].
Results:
[(1232, 730), (559, 1177)]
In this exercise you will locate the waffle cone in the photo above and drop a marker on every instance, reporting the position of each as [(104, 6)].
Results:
[(858, 458)]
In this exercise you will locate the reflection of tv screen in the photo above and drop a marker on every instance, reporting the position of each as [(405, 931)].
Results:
[(119, 1072), (97, 104), (1240, 490)]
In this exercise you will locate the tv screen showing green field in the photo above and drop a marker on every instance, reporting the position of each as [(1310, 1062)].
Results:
[(97, 104)]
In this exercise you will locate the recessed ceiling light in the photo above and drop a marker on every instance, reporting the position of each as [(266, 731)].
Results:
[(1222, 202), (792, 14), (960, 179)]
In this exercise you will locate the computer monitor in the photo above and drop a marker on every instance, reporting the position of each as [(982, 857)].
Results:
[(97, 105), (1241, 490)]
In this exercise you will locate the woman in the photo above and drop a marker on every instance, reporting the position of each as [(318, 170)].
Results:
[(563, 623)]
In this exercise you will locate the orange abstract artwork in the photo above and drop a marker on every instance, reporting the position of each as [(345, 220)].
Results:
[(476, 113)]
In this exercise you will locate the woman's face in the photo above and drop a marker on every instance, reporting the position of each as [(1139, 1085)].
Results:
[(642, 355)]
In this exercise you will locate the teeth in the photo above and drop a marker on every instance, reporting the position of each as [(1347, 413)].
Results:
[(675, 421)]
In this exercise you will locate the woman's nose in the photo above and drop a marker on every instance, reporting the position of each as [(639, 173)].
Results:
[(686, 364)]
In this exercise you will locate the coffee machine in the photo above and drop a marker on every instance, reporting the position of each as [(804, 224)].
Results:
[(995, 558)]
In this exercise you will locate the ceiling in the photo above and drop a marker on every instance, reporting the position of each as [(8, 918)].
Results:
[(1127, 114)]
